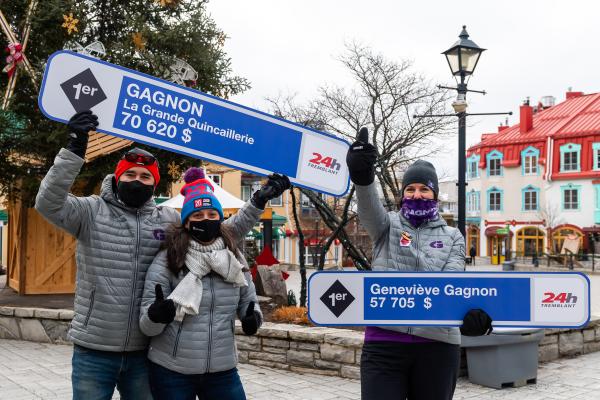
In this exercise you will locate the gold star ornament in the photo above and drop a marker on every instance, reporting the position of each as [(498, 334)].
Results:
[(138, 40), (174, 171), (70, 23)]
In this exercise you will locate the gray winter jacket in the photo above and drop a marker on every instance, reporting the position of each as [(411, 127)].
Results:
[(205, 342), (434, 247), (115, 246)]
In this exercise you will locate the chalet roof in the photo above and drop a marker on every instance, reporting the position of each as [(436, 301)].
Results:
[(574, 117)]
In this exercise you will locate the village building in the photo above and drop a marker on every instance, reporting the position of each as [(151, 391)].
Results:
[(533, 184)]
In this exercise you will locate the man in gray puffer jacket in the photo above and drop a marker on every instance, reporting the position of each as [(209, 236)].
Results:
[(400, 362), (118, 235)]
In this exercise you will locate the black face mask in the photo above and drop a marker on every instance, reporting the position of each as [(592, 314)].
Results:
[(205, 230), (134, 193)]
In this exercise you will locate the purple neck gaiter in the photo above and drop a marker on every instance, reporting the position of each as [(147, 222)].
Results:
[(417, 211)]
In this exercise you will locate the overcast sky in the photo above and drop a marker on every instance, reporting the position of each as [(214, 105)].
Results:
[(535, 48)]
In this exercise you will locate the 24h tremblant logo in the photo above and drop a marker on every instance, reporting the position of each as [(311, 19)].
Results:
[(559, 300), (326, 164)]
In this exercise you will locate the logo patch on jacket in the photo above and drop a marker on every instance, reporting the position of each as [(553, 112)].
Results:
[(437, 244), (405, 239), (159, 234)]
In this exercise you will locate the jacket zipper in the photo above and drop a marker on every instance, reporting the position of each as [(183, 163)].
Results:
[(135, 272), (210, 322), (417, 243), (177, 338), (417, 266), (89, 313)]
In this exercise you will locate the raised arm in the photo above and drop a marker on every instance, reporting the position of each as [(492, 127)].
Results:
[(371, 213), (57, 205), (242, 222), (361, 160), (53, 200)]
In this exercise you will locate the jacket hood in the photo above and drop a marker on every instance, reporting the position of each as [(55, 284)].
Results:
[(107, 192)]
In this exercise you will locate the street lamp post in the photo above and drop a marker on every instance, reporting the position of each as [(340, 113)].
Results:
[(462, 58)]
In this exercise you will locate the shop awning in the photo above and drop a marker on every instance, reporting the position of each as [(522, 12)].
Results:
[(278, 219), (496, 231), (254, 234)]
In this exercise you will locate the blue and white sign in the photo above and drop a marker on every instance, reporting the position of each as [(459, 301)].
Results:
[(512, 299), (158, 113)]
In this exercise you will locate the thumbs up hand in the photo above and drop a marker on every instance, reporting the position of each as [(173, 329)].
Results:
[(361, 159), (250, 320), (161, 311)]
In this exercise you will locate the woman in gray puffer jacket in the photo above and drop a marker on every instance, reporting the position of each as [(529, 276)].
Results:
[(400, 362), (206, 282)]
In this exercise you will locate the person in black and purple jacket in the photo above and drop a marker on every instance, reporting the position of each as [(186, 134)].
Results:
[(409, 362)]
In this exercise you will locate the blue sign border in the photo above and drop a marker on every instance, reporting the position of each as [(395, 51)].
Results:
[(458, 273), (41, 94)]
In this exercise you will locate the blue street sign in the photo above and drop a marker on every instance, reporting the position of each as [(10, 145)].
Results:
[(158, 113), (512, 299)]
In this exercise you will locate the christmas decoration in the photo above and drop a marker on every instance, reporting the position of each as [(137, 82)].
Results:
[(12, 40), (165, 3), (138, 40), (70, 23), (174, 170), (182, 73), (15, 56), (95, 49)]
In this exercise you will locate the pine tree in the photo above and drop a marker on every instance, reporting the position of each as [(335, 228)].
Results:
[(144, 35)]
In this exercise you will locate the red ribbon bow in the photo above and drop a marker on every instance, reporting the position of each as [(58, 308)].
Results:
[(15, 56)]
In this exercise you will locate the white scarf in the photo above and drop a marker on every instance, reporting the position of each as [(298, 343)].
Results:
[(201, 260)]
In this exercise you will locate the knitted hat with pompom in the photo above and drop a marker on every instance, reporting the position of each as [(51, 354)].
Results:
[(199, 194)]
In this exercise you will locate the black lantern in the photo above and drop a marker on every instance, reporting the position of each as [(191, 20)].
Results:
[(463, 55)]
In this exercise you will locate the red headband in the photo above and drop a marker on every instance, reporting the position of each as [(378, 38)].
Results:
[(124, 165)]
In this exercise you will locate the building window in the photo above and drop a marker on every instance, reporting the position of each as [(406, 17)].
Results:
[(596, 155), (305, 201), (597, 209), (494, 163), (473, 167), (529, 157), (570, 197), (559, 236), (494, 199), (246, 192), (277, 201), (311, 255), (531, 198), (569, 157), (216, 178), (530, 242), (473, 201)]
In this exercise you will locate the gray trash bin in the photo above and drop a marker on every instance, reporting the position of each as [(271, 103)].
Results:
[(506, 358), (508, 265)]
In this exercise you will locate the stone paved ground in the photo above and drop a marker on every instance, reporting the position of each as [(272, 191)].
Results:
[(42, 371)]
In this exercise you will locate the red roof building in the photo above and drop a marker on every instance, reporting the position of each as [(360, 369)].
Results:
[(540, 177)]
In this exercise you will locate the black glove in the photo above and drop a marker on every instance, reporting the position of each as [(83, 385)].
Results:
[(79, 125), (476, 323), (250, 320), (161, 311), (361, 159), (275, 186)]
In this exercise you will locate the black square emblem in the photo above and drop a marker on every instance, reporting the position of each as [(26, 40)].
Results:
[(83, 91), (337, 298)]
